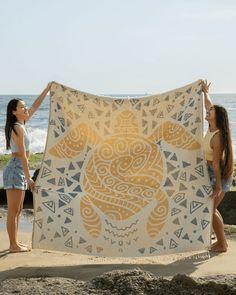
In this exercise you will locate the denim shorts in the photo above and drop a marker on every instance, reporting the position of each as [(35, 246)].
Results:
[(225, 184), (13, 175)]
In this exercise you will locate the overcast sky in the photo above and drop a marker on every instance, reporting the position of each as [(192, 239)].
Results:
[(117, 46)]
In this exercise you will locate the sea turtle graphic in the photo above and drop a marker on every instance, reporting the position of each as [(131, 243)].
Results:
[(125, 171)]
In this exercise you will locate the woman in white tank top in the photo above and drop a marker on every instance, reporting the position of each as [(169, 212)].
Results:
[(16, 175)]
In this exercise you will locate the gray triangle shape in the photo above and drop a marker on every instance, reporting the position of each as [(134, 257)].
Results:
[(76, 177), (80, 164), (71, 167), (48, 162), (67, 220), (200, 193), (56, 134), (57, 235), (170, 192), (175, 175), (200, 239), (168, 182), (185, 164), (192, 177), (174, 158), (182, 187), (82, 240), (170, 167), (142, 250), (183, 204), (194, 221), (60, 203), (160, 242), (52, 181), (206, 210), (42, 238), (167, 154), (176, 221), (199, 160), (185, 237), (77, 189), (73, 195), (49, 220), (61, 170), (68, 182)]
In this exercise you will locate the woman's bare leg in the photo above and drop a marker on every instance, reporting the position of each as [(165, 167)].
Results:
[(15, 198), (218, 226)]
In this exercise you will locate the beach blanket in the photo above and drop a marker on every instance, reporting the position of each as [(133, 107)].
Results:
[(123, 176)]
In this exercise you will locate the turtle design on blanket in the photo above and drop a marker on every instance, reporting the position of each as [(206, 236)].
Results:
[(124, 172)]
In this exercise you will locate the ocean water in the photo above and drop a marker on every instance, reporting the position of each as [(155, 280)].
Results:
[(37, 126)]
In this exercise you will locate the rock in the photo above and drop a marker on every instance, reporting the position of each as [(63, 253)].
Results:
[(227, 208)]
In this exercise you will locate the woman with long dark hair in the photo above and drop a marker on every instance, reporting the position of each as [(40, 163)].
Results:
[(218, 150), (16, 175)]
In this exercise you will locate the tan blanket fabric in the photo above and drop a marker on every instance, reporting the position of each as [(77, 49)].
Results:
[(123, 177)]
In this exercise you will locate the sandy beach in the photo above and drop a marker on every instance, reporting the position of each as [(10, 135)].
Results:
[(64, 269)]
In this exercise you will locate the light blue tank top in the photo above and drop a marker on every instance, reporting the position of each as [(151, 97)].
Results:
[(13, 145)]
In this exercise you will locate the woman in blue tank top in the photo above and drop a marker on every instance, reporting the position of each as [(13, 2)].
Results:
[(16, 175), (219, 156)]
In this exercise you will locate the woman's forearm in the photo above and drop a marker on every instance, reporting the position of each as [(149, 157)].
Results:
[(41, 97)]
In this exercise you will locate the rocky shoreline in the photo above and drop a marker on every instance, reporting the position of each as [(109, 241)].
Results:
[(123, 282)]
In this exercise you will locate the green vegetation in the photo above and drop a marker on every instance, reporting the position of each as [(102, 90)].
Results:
[(34, 160)]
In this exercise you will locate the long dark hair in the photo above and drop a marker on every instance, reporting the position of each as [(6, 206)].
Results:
[(10, 120), (222, 123)]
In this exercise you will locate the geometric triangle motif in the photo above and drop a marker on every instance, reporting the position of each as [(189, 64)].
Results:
[(182, 187), (42, 238), (173, 244), (69, 243), (61, 182), (175, 211), (60, 203), (178, 232), (45, 172), (50, 205), (207, 189), (39, 223), (186, 237), (65, 198), (67, 220), (195, 206), (200, 239), (176, 221), (175, 175), (57, 235), (160, 242), (49, 219), (69, 211), (183, 203), (204, 223), (64, 231), (82, 240), (194, 221), (199, 170), (199, 193), (192, 177), (183, 176)]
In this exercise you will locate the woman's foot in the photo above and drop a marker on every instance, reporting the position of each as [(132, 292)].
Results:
[(19, 248), (23, 245), (218, 248)]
